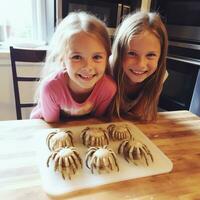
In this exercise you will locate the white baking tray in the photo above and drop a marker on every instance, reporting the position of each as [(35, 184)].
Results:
[(55, 185)]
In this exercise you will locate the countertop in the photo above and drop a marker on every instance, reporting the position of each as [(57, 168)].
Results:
[(176, 133)]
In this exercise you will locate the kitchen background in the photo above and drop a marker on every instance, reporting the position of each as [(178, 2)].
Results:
[(182, 88)]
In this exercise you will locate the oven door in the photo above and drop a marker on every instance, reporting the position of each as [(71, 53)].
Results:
[(183, 66), (108, 11), (179, 87), (103, 9)]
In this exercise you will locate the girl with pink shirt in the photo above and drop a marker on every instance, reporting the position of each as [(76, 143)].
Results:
[(76, 77)]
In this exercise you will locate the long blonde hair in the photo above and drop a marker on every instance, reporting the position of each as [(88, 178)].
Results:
[(132, 25), (73, 23)]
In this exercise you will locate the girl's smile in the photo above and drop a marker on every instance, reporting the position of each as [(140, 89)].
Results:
[(137, 72), (86, 77), (142, 56)]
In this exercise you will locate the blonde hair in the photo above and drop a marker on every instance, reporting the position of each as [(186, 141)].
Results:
[(73, 23), (132, 25)]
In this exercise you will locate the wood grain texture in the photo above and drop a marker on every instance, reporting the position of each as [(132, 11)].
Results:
[(176, 133)]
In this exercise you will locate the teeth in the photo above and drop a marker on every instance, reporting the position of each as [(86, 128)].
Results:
[(137, 72), (86, 77)]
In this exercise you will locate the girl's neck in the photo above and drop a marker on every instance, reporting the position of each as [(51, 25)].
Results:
[(132, 90), (78, 94), (80, 97)]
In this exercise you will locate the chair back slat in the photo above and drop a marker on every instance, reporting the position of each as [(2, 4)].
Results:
[(28, 55), (28, 79), (23, 55), (26, 105)]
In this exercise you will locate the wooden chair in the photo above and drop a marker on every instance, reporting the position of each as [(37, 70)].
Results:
[(23, 55)]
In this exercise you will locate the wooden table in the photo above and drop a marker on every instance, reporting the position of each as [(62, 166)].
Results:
[(176, 133)]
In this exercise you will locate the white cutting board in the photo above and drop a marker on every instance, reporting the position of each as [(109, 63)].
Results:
[(55, 185)]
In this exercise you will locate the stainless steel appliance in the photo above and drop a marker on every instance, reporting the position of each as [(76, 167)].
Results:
[(182, 19), (110, 11), (183, 65)]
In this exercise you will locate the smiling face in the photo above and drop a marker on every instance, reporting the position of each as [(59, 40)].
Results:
[(142, 56), (86, 60)]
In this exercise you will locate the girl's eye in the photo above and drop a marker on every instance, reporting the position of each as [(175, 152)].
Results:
[(98, 58), (151, 55), (76, 57), (131, 53)]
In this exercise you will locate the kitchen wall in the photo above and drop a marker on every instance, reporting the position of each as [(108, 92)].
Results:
[(7, 100)]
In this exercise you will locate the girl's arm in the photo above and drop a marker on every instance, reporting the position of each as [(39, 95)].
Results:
[(106, 96), (49, 107)]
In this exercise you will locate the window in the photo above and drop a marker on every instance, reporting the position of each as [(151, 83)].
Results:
[(22, 21)]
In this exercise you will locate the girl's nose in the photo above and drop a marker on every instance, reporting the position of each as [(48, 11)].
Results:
[(88, 63), (142, 62)]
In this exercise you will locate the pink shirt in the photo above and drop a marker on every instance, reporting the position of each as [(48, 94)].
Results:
[(55, 97)]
